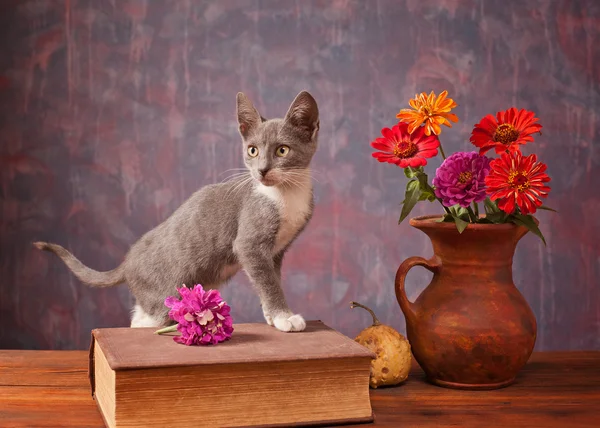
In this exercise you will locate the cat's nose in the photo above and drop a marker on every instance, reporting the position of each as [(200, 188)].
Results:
[(263, 172)]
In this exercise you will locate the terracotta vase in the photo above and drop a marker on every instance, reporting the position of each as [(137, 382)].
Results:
[(470, 328)]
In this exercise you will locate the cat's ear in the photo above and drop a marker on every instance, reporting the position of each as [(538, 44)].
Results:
[(247, 115), (304, 114)]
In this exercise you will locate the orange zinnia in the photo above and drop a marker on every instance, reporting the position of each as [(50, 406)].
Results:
[(429, 110)]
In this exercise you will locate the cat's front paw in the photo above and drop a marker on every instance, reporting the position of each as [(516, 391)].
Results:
[(269, 319), (289, 323)]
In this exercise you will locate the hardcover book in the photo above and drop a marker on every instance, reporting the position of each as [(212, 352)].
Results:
[(260, 377)]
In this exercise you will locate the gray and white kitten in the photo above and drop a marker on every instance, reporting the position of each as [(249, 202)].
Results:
[(247, 223)]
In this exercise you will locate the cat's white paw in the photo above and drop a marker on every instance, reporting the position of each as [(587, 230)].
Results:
[(269, 319), (289, 323)]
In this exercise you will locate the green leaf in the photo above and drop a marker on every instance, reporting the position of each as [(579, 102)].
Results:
[(460, 216), (544, 207), (496, 218), (529, 223), (427, 192), (410, 199), (412, 172), (490, 207), (460, 212), (422, 177), (463, 213), (461, 225), (427, 195), (447, 218)]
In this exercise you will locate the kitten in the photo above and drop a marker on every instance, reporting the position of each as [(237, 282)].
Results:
[(247, 223)]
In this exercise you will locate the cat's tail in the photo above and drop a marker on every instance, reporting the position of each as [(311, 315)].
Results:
[(85, 274)]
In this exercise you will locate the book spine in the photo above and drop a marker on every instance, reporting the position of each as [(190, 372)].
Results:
[(91, 367)]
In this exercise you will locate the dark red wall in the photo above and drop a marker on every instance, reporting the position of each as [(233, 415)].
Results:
[(113, 112)]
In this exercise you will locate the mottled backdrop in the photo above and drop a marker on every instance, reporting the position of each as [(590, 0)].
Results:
[(113, 112)]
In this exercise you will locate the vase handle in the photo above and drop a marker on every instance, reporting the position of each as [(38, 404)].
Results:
[(432, 265)]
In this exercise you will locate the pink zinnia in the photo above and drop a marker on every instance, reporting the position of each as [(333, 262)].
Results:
[(461, 179), (202, 316)]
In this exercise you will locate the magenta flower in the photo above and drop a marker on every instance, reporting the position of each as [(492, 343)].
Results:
[(461, 179), (202, 316)]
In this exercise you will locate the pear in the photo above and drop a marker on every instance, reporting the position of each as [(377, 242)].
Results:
[(393, 360)]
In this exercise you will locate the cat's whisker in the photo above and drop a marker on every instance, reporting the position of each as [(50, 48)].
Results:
[(232, 190), (298, 178), (233, 187), (305, 171), (302, 175), (233, 176), (238, 186), (233, 169), (293, 182), (298, 171), (299, 174), (237, 174), (309, 171), (296, 183), (246, 183)]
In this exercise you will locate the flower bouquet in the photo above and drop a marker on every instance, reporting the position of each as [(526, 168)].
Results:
[(470, 328), (510, 186)]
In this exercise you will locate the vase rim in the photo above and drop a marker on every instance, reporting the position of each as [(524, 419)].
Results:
[(425, 222)]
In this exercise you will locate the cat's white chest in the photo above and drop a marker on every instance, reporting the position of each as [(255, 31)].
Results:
[(294, 206)]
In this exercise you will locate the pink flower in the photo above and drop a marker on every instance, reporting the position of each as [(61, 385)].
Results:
[(202, 316), (461, 179)]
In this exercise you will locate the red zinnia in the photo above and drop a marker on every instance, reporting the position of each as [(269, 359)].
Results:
[(404, 149), (507, 131), (517, 180)]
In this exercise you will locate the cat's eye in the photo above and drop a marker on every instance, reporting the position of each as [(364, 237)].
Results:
[(252, 151), (282, 151)]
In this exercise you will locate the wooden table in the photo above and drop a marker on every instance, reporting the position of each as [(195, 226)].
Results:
[(50, 389)]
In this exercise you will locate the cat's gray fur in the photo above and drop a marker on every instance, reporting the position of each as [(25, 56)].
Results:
[(248, 222)]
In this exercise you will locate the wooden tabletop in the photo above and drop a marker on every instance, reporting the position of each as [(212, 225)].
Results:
[(562, 389)]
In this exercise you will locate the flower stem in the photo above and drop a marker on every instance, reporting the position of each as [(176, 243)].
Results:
[(168, 329), (439, 200), (476, 209), (472, 215), (445, 207), (442, 151), (375, 320)]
